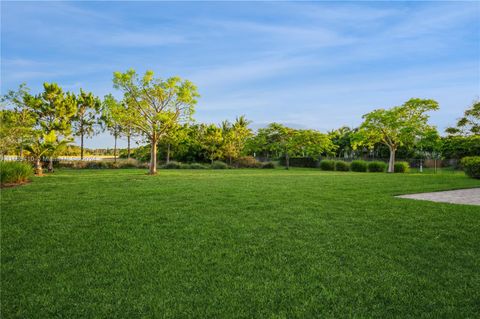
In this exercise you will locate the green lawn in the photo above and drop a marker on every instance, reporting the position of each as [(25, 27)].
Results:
[(237, 243)]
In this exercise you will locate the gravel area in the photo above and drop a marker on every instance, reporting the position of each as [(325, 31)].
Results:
[(461, 196)]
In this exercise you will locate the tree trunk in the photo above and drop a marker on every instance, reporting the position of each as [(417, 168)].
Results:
[(153, 157), (21, 151), (391, 162), (50, 164), (81, 147), (128, 146), (287, 161), (38, 167), (168, 153), (115, 150)]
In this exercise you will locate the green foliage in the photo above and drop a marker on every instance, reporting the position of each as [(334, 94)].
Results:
[(395, 127), (87, 116), (359, 166), (211, 139), (327, 165), (153, 106), (219, 165), (469, 124), (342, 166), (457, 147), (268, 165), (401, 167), (15, 172), (172, 165), (247, 162), (471, 166), (377, 167)]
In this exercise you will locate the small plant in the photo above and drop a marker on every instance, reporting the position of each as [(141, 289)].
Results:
[(358, 166), (268, 165), (471, 166), (219, 165), (327, 165), (172, 165), (401, 167), (196, 166), (15, 172), (377, 167), (342, 166)]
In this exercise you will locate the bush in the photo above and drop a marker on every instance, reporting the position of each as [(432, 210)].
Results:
[(358, 166), (247, 162), (172, 165), (377, 167), (128, 164), (219, 165), (15, 172), (471, 166), (401, 167), (342, 166), (268, 165), (327, 165), (196, 166)]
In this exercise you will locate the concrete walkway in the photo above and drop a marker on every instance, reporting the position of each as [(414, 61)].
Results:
[(462, 196)]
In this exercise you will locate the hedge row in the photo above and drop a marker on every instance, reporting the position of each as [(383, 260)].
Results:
[(362, 166)]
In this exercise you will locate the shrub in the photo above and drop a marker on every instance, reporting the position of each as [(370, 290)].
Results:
[(15, 172), (128, 164), (172, 165), (401, 167), (342, 166), (327, 165), (247, 162), (471, 166), (268, 165), (196, 166), (377, 167), (219, 165), (358, 166)]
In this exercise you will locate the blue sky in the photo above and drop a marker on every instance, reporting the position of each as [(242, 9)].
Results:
[(314, 65)]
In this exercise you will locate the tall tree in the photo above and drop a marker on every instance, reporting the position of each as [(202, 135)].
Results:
[(18, 120), (155, 105), (469, 124), (86, 117), (400, 125), (112, 116), (54, 111), (212, 141)]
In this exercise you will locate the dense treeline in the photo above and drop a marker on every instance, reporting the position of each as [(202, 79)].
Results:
[(159, 112)]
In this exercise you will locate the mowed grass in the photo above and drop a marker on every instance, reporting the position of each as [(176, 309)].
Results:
[(237, 244)]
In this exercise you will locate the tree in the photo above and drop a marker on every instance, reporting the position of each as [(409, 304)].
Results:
[(211, 140), (155, 105), (342, 139), (112, 115), (17, 122), (40, 146), (311, 143), (469, 124), (395, 127), (54, 111), (86, 116)]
